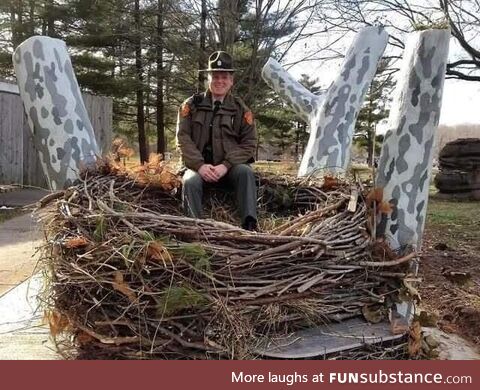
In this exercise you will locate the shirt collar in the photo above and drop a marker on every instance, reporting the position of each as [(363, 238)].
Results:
[(227, 104)]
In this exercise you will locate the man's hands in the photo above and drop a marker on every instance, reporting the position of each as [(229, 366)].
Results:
[(221, 170), (211, 173)]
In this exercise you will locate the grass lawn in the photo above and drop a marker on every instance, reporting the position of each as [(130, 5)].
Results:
[(457, 221), (10, 213), (451, 243)]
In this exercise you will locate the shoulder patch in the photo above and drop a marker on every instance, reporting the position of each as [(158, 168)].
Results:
[(248, 117), (185, 110)]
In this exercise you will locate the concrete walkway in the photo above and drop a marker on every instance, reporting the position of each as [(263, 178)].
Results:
[(23, 336), (22, 333), (22, 197), (19, 238)]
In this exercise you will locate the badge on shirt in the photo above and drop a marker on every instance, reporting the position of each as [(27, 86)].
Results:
[(185, 110), (248, 117)]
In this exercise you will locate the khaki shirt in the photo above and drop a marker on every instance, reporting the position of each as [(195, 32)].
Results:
[(234, 139)]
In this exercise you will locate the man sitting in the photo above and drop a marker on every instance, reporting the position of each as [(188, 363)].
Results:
[(217, 140)]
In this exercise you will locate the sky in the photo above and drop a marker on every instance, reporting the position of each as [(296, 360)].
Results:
[(461, 99), (460, 102)]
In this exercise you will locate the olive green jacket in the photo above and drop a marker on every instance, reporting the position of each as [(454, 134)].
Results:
[(234, 138)]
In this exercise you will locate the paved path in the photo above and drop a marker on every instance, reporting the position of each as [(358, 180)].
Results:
[(23, 336), (22, 332), (22, 197), (19, 237)]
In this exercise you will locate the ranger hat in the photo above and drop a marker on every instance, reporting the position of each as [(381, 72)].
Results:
[(219, 61)]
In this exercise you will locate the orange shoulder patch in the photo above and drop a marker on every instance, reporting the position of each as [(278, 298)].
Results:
[(184, 110), (248, 117)]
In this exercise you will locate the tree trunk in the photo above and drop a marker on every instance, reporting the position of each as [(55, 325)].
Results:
[(160, 106), (16, 22), (228, 23), (142, 141), (253, 58), (332, 122), (31, 18), (297, 139), (202, 61), (370, 145), (50, 20)]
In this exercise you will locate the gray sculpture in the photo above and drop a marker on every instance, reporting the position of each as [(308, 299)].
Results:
[(405, 165), (332, 116), (62, 132)]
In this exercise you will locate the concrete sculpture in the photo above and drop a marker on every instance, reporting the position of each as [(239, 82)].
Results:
[(405, 164), (332, 117), (61, 129)]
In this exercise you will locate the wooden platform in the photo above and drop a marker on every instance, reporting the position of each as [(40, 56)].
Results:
[(328, 339)]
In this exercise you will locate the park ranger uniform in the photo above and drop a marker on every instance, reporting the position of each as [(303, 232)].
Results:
[(217, 133)]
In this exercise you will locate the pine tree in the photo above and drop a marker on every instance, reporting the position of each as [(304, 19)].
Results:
[(374, 110)]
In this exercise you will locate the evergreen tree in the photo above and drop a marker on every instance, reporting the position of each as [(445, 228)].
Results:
[(374, 110), (301, 134), (145, 54)]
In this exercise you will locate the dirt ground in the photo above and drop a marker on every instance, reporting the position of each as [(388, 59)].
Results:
[(450, 267)]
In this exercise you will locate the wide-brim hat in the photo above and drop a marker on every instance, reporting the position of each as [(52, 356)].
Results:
[(219, 61)]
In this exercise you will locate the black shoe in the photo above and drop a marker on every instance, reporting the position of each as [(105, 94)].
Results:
[(250, 224)]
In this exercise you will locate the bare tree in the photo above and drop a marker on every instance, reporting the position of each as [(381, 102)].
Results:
[(403, 16), (464, 21), (142, 139), (160, 78)]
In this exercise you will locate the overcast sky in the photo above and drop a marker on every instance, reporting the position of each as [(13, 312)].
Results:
[(461, 99)]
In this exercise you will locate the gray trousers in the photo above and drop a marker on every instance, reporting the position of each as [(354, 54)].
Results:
[(240, 177)]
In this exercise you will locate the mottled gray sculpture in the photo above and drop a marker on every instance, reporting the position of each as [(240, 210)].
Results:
[(62, 132), (406, 159), (332, 118)]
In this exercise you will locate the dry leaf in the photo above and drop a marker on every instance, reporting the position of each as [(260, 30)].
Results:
[(398, 323), (83, 338), (385, 207), (415, 339), (154, 159), (120, 285), (157, 251), (125, 151), (329, 182), (375, 195), (57, 322), (75, 242)]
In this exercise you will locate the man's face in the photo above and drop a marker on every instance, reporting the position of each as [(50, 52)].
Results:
[(220, 83)]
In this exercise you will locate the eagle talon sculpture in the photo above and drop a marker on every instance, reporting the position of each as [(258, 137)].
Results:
[(61, 130), (406, 160), (332, 116)]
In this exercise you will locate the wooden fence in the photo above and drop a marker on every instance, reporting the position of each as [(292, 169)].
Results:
[(19, 159)]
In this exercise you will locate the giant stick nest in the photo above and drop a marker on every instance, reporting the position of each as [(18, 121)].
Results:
[(129, 276)]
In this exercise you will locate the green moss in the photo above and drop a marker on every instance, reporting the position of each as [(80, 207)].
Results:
[(100, 229), (195, 254), (438, 25), (177, 298)]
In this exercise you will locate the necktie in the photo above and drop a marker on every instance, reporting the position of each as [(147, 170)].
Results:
[(208, 149)]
